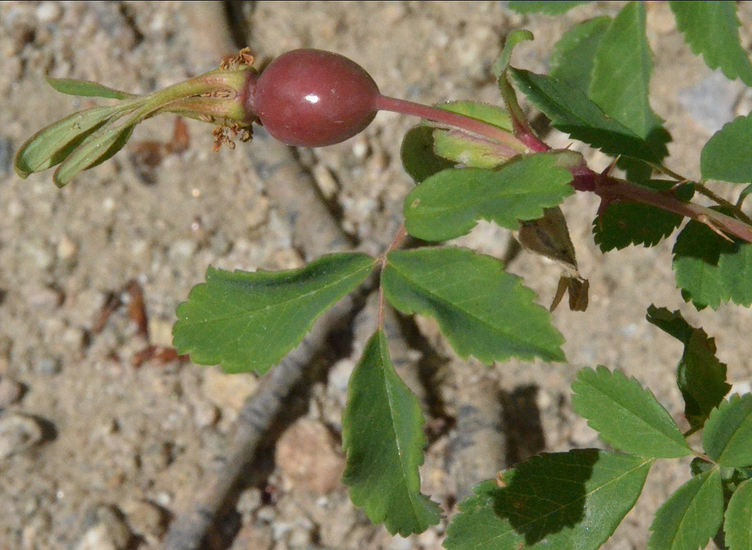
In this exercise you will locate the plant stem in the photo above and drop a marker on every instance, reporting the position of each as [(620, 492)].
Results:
[(472, 125), (522, 129), (397, 241), (611, 189)]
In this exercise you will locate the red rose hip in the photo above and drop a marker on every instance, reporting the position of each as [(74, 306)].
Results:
[(313, 98)]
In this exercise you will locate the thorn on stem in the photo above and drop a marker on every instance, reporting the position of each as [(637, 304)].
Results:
[(702, 218), (610, 168)]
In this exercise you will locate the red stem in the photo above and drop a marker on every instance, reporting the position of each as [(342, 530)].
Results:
[(611, 189), (472, 125)]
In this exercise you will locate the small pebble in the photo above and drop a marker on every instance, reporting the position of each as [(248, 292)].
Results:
[(182, 249), (145, 518), (107, 532), (49, 12), (66, 249), (156, 457), (160, 332), (18, 432), (252, 536), (280, 529), (300, 537), (400, 543), (228, 392), (308, 459), (258, 213), (219, 243), (49, 366), (205, 414), (267, 514), (10, 391), (249, 501), (35, 530), (43, 297)]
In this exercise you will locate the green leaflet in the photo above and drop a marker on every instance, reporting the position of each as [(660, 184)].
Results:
[(738, 523), (51, 145), (621, 224), (701, 377), (382, 434), (710, 270), (451, 202), (549, 8), (249, 321), (626, 415), (573, 56), (712, 29), (566, 501), (482, 310), (727, 156), (418, 156), (620, 81), (690, 516), (86, 88), (727, 437), (95, 149), (572, 112)]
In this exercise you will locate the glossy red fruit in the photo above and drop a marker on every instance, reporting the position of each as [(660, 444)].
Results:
[(313, 98)]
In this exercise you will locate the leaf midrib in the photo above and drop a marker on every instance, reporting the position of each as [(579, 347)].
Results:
[(412, 496), (445, 302)]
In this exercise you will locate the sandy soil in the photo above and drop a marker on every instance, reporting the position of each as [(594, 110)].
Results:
[(103, 453)]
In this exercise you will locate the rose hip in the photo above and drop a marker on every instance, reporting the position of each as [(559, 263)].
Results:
[(313, 98)]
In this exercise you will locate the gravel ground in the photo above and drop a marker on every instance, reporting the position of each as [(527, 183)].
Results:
[(100, 449)]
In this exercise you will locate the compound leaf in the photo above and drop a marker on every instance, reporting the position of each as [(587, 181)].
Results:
[(690, 516), (549, 8), (727, 437), (727, 156), (482, 310), (450, 203), (382, 434), (572, 112), (701, 377), (710, 270), (566, 501), (712, 29), (86, 88), (574, 54), (626, 415), (625, 223), (738, 523), (249, 321)]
